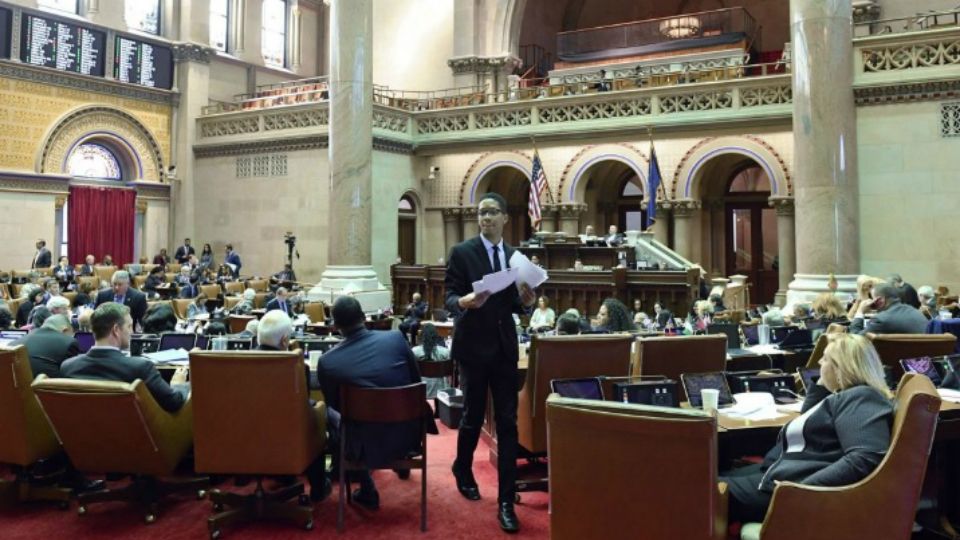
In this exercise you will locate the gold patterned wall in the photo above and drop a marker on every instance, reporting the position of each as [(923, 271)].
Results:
[(28, 111)]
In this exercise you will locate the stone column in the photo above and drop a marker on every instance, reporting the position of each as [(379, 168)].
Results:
[(661, 225), (786, 245), (548, 215), (683, 211), (471, 226), (193, 82), (349, 270), (824, 147), (451, 228), (714, 215), (570, 217)]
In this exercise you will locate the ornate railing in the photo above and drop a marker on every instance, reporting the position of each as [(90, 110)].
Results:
[(917, 23), (907, 57)]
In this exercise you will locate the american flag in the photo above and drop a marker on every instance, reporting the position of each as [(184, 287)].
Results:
[(538, 183)]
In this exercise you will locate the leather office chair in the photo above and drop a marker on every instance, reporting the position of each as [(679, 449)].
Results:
[(104, 273), (180, 306), (229, 302), (117, 427), (212, 291), (69, 295), (315, 312), (94, 280), (168, 277), (238, 323), (174, 267), (265, 400), (673, 356), (139, 282), (259, 285), (260, 300), (233, 288), (25, 433), (817, 353), (894, 347), (653, 474), (562, 357), (883, 504), (388, 406)]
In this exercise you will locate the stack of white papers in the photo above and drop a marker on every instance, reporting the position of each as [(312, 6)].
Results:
[(947, 394), (170, 357), (521, 271)]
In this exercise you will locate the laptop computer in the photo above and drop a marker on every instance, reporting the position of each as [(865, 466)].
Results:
[(177, 341), (934, 369), (693, 383), (797, 338), (586, 388), (751, 333), (808, 377)]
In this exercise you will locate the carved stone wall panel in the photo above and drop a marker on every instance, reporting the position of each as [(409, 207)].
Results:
[(500, 119), (443, 124), (389, 121), (110, 123), (912, 56), (595, 111), (771, 95), (32, 111), (697, 101)]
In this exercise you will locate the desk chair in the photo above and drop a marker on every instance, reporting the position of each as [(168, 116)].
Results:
[(104, 273), (562, 357), (315, 312), (883, 504), (233, 288), (673, 356), (238, 323), (266, 400), (26, 436), (139, 282), (383, 406), (258, 285), (117, 427), (632, 485), (212, 291), (174, 267), (94, 280), (180, 307), (895, 347), (817, 353), (260, 300)]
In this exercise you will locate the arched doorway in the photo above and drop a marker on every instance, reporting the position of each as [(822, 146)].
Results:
[(613, 193), (514, 185), (407, 230), (750, 245)]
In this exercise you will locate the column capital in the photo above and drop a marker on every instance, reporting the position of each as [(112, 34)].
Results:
[(571, 210), (684, 208), (866, 12), (549, 210), (141, 206), (784, 205), (451, 214), (192, 52), (484, 64), (468, 212)]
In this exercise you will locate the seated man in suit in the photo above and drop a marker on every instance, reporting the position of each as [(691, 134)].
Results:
[(105, 361), (49, 345), (416, 311), (373, 359), (280, 302), (63, 271), (122, 293), (613, 238), (87, 268), (893, 316)]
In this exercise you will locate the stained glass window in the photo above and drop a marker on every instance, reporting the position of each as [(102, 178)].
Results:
[(94, 161), (273, 34), (143, 15)]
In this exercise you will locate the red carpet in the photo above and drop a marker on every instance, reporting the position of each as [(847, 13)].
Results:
[(449, 515)]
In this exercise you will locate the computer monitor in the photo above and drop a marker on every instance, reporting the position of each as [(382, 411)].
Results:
[(933, 369), (728, 329), (751, 333), (797, 338), (586, 388), (143, 345), (175, 340), (808, 377), (693, 383)]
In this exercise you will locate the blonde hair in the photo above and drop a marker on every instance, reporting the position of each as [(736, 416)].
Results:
[(856, 362), (828, 306), (865, 283)]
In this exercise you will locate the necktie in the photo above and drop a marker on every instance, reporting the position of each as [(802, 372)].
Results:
[(283, 306), (496, 259), (118, 299)]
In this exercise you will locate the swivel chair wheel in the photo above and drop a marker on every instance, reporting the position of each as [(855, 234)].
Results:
[(81, 510), (303, 499), (149, 518), (308, 526)]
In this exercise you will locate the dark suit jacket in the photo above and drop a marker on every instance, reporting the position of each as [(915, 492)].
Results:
[(899, 318), (23, 313), (415, 312), (487, 334), (372, 359), (48, 349), (45, 260), (613, 239), (104, 364), (86, 270), (909, 296), (64, 274), (183, 255), (234, 259), (134, 299), (275, 304)]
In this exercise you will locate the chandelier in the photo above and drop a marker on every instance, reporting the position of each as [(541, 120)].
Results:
[(680, 27)]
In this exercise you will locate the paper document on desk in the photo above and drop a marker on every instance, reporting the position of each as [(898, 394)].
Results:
[(947, 394), (753, 406), (171, 357), (528, 273), (496, 282)]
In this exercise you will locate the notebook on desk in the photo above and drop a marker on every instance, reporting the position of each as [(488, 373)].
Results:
[(693, 383)]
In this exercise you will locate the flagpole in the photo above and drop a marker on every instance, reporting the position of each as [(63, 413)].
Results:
[(533, 142)]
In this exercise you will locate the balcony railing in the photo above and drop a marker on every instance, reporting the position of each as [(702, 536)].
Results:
[(915, 23), (707, 24)]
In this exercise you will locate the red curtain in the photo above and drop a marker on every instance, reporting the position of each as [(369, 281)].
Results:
[(101, 222)]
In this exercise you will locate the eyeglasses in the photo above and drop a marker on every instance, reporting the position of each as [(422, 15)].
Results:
[(490, 212)]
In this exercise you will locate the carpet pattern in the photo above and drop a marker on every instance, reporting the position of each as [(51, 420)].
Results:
[(449, 515)]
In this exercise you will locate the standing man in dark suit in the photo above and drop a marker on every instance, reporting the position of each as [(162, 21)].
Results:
[(105, 361), (416, 311), (485, 345), (280, 302), (233, 260), (49, 345), (183, 253), (42, 259), (121, 293), (371, 359)]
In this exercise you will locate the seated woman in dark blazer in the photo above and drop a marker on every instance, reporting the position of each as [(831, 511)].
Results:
[(154, 280), (840, 437)]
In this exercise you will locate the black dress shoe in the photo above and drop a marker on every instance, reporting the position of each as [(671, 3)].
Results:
[(368, 500), (466, 484), (508, 518)]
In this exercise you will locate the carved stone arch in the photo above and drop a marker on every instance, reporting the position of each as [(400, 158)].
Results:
[(571, 189), (505, 34), (135, 147), (487, 162), (687, 181)]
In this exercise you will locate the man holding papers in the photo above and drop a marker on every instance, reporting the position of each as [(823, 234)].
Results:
[(483, 298)]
